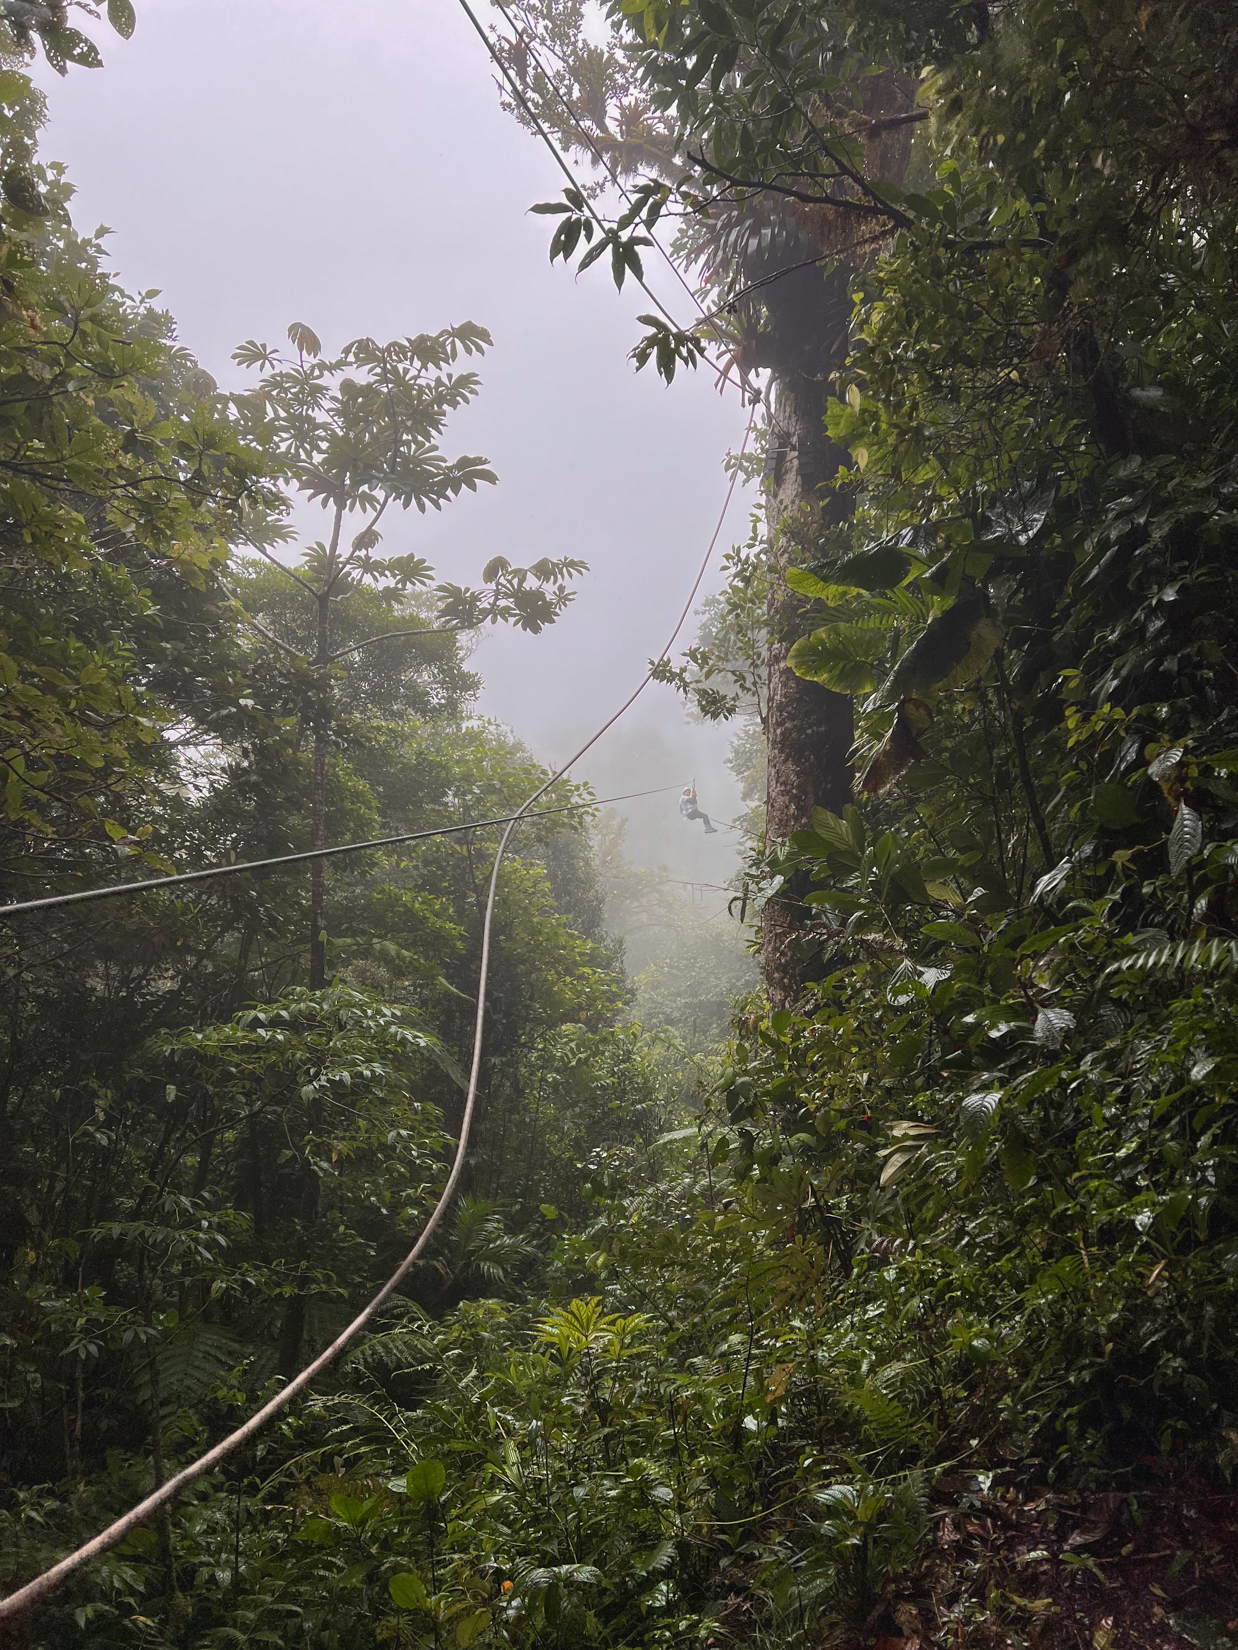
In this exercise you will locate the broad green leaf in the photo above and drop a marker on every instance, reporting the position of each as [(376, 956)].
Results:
[(953, 649), (468, 1627), (840, 656), (1115, 807), (957, 933), (426, 1480), (1018, 1164), (320, 1531), (408, 1592)]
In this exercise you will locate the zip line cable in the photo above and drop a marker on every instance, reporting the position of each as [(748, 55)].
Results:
[(516, 91), (211, 871), (553, 147), (23, 1601), (560, 96)]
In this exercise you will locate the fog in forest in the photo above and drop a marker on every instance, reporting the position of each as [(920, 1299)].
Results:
[(350, 168)]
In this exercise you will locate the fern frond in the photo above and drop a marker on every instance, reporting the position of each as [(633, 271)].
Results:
[(1215, 956)]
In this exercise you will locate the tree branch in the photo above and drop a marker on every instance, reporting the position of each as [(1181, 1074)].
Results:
[(858, 207), (267, 556), (272, 637), (391, 635)]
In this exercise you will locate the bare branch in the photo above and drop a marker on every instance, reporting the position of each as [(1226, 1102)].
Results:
[(272, 637), (391, 635), (860, 208), (267, 556)]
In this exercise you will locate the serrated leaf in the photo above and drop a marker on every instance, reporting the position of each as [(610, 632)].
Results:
[(1186, 838)]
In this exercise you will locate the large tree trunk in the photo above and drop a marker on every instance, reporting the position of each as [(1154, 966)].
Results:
[(809, 729), (318, 867), (318, 811)]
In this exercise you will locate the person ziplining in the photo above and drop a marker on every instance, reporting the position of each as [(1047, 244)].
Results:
[(689, 809)]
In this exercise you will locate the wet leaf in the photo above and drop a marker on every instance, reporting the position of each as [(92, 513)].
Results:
[(951, 651), (426, 1480), (976, 1113), (408, 1592), (1051, 1026), (1186, 838), (840, 656), (1162, 766)]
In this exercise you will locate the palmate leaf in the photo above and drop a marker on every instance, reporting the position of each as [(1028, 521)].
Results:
[(840, 656), (304, 340)]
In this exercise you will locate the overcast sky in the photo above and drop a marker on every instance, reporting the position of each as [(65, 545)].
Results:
[(265, 161)]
